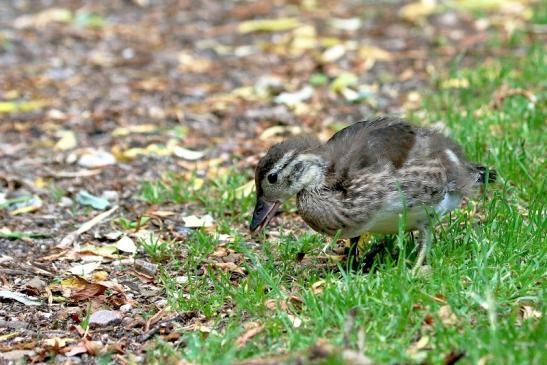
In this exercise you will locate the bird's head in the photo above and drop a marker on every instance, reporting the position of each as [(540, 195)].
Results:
[(287, 168)]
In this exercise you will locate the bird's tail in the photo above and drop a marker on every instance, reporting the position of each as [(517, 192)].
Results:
[(486, 174)]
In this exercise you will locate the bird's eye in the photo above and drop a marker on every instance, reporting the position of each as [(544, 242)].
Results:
[(272, 178)]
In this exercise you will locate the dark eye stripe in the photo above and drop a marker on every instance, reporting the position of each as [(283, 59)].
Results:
[(287, 162)]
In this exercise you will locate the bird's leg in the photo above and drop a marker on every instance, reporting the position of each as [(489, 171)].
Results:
[(426, 236), (357, 248)]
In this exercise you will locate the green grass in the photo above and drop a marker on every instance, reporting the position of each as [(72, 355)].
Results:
[(488, 261)]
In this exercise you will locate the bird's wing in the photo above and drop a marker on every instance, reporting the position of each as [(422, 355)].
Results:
[(367, 144)]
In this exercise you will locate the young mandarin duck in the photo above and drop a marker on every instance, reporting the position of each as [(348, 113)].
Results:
[(365, 178)]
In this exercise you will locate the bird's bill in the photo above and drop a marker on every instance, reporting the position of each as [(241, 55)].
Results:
[(263, 213)]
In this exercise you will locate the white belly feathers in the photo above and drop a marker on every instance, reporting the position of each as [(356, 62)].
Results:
[(387, 220)]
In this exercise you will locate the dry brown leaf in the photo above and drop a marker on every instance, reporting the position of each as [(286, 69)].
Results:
[(415, 350), (228, 267), (274, 304), (156, 317), (317, 287), (527, 312), (251, 330), (90, 291), (447, 316)]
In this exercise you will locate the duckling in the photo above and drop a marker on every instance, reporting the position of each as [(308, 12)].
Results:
[(366, 178)]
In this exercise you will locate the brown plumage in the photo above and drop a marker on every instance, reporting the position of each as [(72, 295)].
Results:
[(365, 177)]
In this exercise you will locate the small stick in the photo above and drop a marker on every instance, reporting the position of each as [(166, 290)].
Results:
[(71, 238)]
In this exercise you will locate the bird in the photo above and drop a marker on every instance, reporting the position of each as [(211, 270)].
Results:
[(368, 178)]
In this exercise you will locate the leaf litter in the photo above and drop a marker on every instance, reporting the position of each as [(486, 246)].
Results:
[(118, 120)]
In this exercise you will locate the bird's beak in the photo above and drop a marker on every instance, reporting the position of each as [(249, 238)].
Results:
[(263, 213)]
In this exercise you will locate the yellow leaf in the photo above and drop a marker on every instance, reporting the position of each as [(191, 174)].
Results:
[(245, 190), (31, 205), (278, 129), (21, 106), (197, 183), (67, 140), (142, 128), (40, 182), (474, 5), (455, 84), (268, 25), (418, 11), (416, 349), (99, 276), (375, 53), (74, 282), (58, 342)]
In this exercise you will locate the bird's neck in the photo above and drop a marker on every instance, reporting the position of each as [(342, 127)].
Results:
[(313, 175)]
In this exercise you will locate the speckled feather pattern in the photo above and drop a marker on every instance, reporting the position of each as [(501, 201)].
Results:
[(420, 182)]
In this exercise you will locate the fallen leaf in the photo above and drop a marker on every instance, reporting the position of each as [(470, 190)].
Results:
[(477, 5), (245, 190), (274, 304), (43, 18), (416, 349), (417, 11), (104, 251), (348, 24), (18, 235), (21, 106), (193, 221), (58, 342), (277, 130), (96, 159), (333, 53), (343, 81), (295, 321), (22, 298), (317, 287), (77, 349), (67, 140), (137, 129), (91, 290), (85, 198), (375, 53), (188, 154), (88, 19), (455, 84), (193, 64), (527, 312), (84, 269), (126, 244), (268, 25), (228, 267), (74, 282), (446, 315), (251, 330), (27, 206), (99, 276), (295, 97)]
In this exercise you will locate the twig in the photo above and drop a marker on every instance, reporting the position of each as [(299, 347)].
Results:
[(71, 238)]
